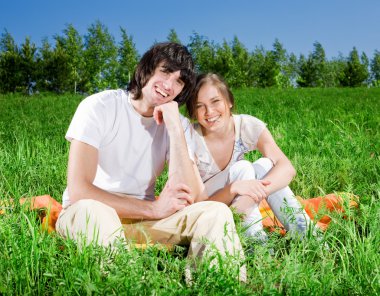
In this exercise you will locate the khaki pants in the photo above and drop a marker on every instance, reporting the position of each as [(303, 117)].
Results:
[(204, 226)]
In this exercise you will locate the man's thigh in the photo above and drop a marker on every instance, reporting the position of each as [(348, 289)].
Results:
[(175, 229)]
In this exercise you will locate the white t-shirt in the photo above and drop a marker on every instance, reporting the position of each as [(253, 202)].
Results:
[(132, 149), (247, 132)]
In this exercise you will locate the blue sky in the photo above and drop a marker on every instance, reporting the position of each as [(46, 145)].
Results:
[(338, 25)]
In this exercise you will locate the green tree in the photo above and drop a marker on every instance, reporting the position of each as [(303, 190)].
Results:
[(290, 71), (173, 37), (55, 67), (306, 72), (334, 71), (355, 71), (45, 53), (10, 64), (203, 52), (240, 74), (264, 68), (365, 62), (28, 64), (128, 58), (285, 66), (375, 68), (312, 71), (101, 58), (224, 63), (319, 59), (72, 44)]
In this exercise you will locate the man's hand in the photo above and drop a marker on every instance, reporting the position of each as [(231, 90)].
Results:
[(167, 113), (173, 198), (255, 189)]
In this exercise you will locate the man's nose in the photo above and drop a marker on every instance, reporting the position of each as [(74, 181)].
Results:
[(168, 83)]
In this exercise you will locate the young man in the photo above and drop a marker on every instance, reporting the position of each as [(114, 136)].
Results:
[(120, 142)]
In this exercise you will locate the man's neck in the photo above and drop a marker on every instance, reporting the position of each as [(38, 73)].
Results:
[(142, 108)]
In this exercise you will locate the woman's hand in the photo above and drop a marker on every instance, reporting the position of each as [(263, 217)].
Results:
[(255, 189)]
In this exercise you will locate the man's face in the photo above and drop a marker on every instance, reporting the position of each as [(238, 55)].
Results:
[(162, 87)]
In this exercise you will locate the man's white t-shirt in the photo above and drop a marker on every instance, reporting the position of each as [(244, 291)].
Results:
[(132, 149)]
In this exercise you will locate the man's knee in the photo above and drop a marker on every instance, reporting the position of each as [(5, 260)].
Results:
[(216, 212), (241, 170), (92, 219)]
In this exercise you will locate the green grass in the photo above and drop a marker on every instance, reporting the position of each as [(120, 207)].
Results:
[(332, 137)]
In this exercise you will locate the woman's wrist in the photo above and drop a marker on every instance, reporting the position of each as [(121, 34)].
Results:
[(233, 188)]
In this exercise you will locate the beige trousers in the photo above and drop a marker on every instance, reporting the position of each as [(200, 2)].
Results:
[(204, 226)]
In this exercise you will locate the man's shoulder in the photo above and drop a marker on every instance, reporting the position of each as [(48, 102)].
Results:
[(106, 97), (108, 101)]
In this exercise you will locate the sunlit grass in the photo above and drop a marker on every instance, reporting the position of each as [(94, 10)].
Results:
[(332, 137)]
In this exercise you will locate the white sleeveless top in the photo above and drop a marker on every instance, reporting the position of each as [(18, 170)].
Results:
[(247, 132)]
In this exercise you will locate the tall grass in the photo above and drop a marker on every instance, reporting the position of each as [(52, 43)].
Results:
[(332, 137)]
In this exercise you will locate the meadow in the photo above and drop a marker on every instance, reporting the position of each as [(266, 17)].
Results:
[(332, 137)]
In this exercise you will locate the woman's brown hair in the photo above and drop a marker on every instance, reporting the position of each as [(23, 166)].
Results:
[(215, 80)]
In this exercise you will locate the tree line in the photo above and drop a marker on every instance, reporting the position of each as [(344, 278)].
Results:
[(95, 62)]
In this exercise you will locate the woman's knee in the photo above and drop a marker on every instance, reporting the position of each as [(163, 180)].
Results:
[(262, 167), (241, 170)]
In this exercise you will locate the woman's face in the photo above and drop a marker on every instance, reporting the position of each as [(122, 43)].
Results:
[(212, 108)]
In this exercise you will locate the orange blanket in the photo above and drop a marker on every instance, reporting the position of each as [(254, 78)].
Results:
[(313, 207), (49, 209)]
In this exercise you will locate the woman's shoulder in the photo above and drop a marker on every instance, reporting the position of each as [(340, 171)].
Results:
[(247, 119), (248, 129)]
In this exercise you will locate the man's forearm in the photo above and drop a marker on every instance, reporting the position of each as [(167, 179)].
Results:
[(125, 206), (180, 166)]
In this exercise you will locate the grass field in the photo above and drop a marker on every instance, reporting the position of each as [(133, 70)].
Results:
[(332, 137)]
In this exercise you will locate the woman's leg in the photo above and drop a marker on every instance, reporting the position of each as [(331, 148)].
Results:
[(243, 170), (283, 203)]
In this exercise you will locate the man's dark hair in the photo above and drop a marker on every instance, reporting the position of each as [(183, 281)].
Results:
[(174, 57)]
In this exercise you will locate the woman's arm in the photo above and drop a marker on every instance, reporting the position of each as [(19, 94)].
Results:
[(283, 171), (255, 189), (279, 177)]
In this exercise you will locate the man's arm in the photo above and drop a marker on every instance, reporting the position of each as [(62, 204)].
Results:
[(181, 169), (83, 160)]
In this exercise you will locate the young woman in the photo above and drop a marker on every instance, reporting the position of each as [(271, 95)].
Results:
[(221, 140)]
